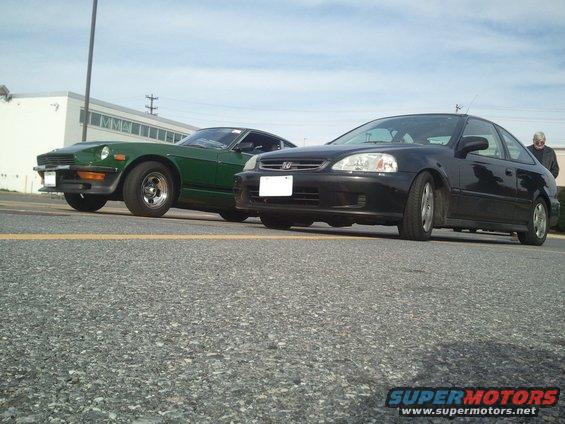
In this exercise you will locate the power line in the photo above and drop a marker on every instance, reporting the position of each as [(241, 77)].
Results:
[(150, 107)]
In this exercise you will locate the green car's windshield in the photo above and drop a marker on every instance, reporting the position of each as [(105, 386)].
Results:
[(418, 129), (211, 138)]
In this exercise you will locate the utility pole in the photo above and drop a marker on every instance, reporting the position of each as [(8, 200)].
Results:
[(89, 69), (458, 107), (150, 107)]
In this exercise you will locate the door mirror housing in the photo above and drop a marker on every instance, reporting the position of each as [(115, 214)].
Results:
[(244, 146), (471, 144)]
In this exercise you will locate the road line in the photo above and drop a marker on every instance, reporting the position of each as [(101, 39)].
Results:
[(29, 236)]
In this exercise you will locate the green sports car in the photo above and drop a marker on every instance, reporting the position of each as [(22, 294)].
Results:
[(151, 177)]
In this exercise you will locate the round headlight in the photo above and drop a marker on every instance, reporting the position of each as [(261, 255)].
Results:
[(105, 152)]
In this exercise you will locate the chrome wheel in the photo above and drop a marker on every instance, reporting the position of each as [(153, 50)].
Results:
[(540, 220), (427, 207), (154, 190)]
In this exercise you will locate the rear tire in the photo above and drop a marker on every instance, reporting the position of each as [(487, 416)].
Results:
[(149, 190), (275, 223), (85, 202), (538, 225), (417, 222), (234, 216)]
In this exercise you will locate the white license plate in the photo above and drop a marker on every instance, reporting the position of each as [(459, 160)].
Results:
[(50, 179), (275, 186)]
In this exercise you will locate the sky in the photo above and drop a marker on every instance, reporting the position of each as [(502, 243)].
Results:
[(308, 70)]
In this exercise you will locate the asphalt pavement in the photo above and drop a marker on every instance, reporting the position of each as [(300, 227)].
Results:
[(106, 317)]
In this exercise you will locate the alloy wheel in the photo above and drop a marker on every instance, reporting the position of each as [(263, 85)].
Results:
[(540, 220), (154, 190), (427, 207)]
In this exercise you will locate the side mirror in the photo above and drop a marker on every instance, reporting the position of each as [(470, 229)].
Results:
[(471, 144), (244, 146)]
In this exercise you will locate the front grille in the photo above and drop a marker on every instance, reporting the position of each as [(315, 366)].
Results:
[(301, 196), (53, 160), (291, 165)]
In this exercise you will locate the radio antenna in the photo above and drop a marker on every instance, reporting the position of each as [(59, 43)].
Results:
[(472, 101)]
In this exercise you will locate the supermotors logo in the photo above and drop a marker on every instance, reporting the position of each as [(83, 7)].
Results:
[(471, 401)]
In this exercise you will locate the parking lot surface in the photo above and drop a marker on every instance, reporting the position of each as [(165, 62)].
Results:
[(188, 318)]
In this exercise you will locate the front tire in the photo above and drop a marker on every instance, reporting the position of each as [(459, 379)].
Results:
[(234, 216), (418, 220), (149, 190), (275, 223), (85, 202), (538, 225)]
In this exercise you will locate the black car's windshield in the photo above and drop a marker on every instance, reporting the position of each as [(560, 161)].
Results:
[(418, 129), (211, 138)]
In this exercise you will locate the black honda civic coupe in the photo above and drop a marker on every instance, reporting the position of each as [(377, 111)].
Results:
[(417, 172)]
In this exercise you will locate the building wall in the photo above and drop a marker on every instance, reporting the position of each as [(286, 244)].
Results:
[(28, 127), (31, 125)]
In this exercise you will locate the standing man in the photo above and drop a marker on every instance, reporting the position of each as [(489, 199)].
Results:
[(544, 154)]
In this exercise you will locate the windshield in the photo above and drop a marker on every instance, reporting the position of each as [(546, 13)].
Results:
[(414, 129), (211, 138)]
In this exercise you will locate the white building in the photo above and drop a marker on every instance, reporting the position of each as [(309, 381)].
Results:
[(31, 124)]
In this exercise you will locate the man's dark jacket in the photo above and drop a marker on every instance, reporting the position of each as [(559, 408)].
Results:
[(548, 158)]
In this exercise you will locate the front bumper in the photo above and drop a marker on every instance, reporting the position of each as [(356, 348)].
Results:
[(330, 196), (68, 180)]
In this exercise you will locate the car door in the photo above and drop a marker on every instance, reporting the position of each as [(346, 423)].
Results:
[(487, 181), (529, 181), (198, 166)]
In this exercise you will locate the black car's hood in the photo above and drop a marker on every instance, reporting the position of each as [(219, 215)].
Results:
[(330, 151)]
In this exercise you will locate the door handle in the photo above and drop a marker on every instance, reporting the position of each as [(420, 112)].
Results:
[(508, 172)]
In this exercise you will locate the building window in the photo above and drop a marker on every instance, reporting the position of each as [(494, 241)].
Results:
[(116, 124), (95, 119), (126, 126), (130, 127), (105, 121)]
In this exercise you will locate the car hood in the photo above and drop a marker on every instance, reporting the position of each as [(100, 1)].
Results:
[(329, 151), (86, 145)]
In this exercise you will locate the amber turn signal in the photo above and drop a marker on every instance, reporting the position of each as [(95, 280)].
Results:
[(120, 156), (87, 175)]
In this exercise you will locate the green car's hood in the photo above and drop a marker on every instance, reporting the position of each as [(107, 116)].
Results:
[(87, 145)]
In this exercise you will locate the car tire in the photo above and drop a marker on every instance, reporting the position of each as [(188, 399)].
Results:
[(149, 189), (234, 216), (458, 230), (417, 222), (85, 202), (303, 223), (275, 222), (538, 225)]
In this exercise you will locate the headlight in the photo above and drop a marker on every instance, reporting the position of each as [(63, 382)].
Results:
[(251, 163), (367, 162), (105, 152)]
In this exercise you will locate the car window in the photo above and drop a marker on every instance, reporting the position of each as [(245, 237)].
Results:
[(261, 143), (410, 129), (287, 145), (515, 149), (211, 138), (478, 128)]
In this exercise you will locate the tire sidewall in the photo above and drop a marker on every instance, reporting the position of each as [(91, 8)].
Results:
[(532, 237), (133, 196)]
